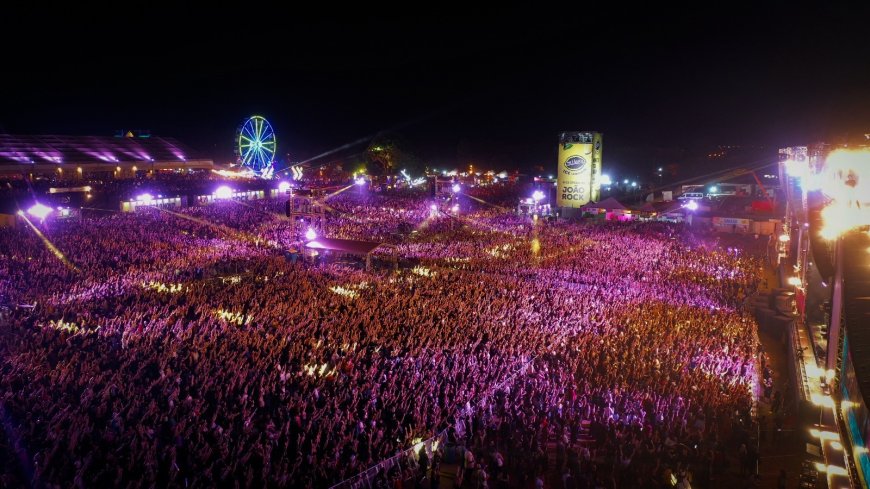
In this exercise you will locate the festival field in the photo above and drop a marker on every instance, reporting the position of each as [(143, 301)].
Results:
[(186, 349)]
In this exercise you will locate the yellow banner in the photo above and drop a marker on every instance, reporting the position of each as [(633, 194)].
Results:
[(597, 146), (574, 182)]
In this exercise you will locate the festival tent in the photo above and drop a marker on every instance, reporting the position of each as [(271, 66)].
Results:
[(361, 249), (647, 208), (611, 208), (608, 204)]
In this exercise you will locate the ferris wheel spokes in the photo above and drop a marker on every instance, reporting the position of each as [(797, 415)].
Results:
[(256, 144)]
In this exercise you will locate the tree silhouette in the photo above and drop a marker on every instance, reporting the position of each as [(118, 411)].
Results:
[(388, 153)]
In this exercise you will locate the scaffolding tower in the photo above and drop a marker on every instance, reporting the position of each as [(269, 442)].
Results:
[(306, 210)]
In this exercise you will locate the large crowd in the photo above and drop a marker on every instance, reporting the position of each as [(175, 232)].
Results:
[(184, 349)]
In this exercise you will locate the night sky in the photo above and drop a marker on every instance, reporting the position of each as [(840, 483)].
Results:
[(494, 86)]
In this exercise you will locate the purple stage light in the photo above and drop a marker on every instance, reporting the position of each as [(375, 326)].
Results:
[(39, 210), (223, 192)]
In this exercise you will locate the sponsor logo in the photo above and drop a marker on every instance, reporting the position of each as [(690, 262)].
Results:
[(575, 165)]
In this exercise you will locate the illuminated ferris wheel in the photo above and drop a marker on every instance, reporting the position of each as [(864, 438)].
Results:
[(256, 145)]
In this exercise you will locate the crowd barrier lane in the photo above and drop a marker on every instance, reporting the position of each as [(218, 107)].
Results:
[(410, 456)]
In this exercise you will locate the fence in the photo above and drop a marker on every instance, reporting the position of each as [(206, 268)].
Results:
[(400, 463)]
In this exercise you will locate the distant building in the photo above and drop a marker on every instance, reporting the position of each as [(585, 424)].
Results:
[(81, 157)]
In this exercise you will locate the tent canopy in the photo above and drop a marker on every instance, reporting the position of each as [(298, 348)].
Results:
[(343, 245), (609, 204), (647, 207)]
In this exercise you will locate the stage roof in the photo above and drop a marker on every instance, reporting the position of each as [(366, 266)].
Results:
[(343, 245), (49, 149)]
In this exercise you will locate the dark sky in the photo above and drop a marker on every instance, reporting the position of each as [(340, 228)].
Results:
[(494, 85)]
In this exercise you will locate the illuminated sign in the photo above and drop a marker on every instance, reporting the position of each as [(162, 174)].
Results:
[(579, 171)]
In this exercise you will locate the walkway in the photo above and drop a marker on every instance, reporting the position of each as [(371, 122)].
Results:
[(781, 445)]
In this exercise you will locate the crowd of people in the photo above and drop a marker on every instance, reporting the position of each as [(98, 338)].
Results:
[(183, 349)]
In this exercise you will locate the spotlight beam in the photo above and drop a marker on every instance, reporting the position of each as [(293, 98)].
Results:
[(486, 203), (51, 247)]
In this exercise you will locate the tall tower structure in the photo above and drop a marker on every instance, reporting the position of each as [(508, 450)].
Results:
[(579, 168)]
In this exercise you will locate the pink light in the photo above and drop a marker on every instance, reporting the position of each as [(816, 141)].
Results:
[(456, 188), (692, 205), (360, 181), (145, 198), (223, 192), (433, 207), (284, 186), (311, 234), (538, 195), (39, 210)]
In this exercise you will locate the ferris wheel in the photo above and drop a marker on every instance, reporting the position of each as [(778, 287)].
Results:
[(255, 144)]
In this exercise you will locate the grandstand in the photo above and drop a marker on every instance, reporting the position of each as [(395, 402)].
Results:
[(77, 157)]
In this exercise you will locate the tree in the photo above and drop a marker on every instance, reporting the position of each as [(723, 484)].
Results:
[(388, 153)]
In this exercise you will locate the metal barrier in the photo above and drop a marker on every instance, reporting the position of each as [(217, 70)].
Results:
[(401, 461)]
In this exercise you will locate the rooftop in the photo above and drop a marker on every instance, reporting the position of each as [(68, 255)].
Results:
[(51, 149)]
